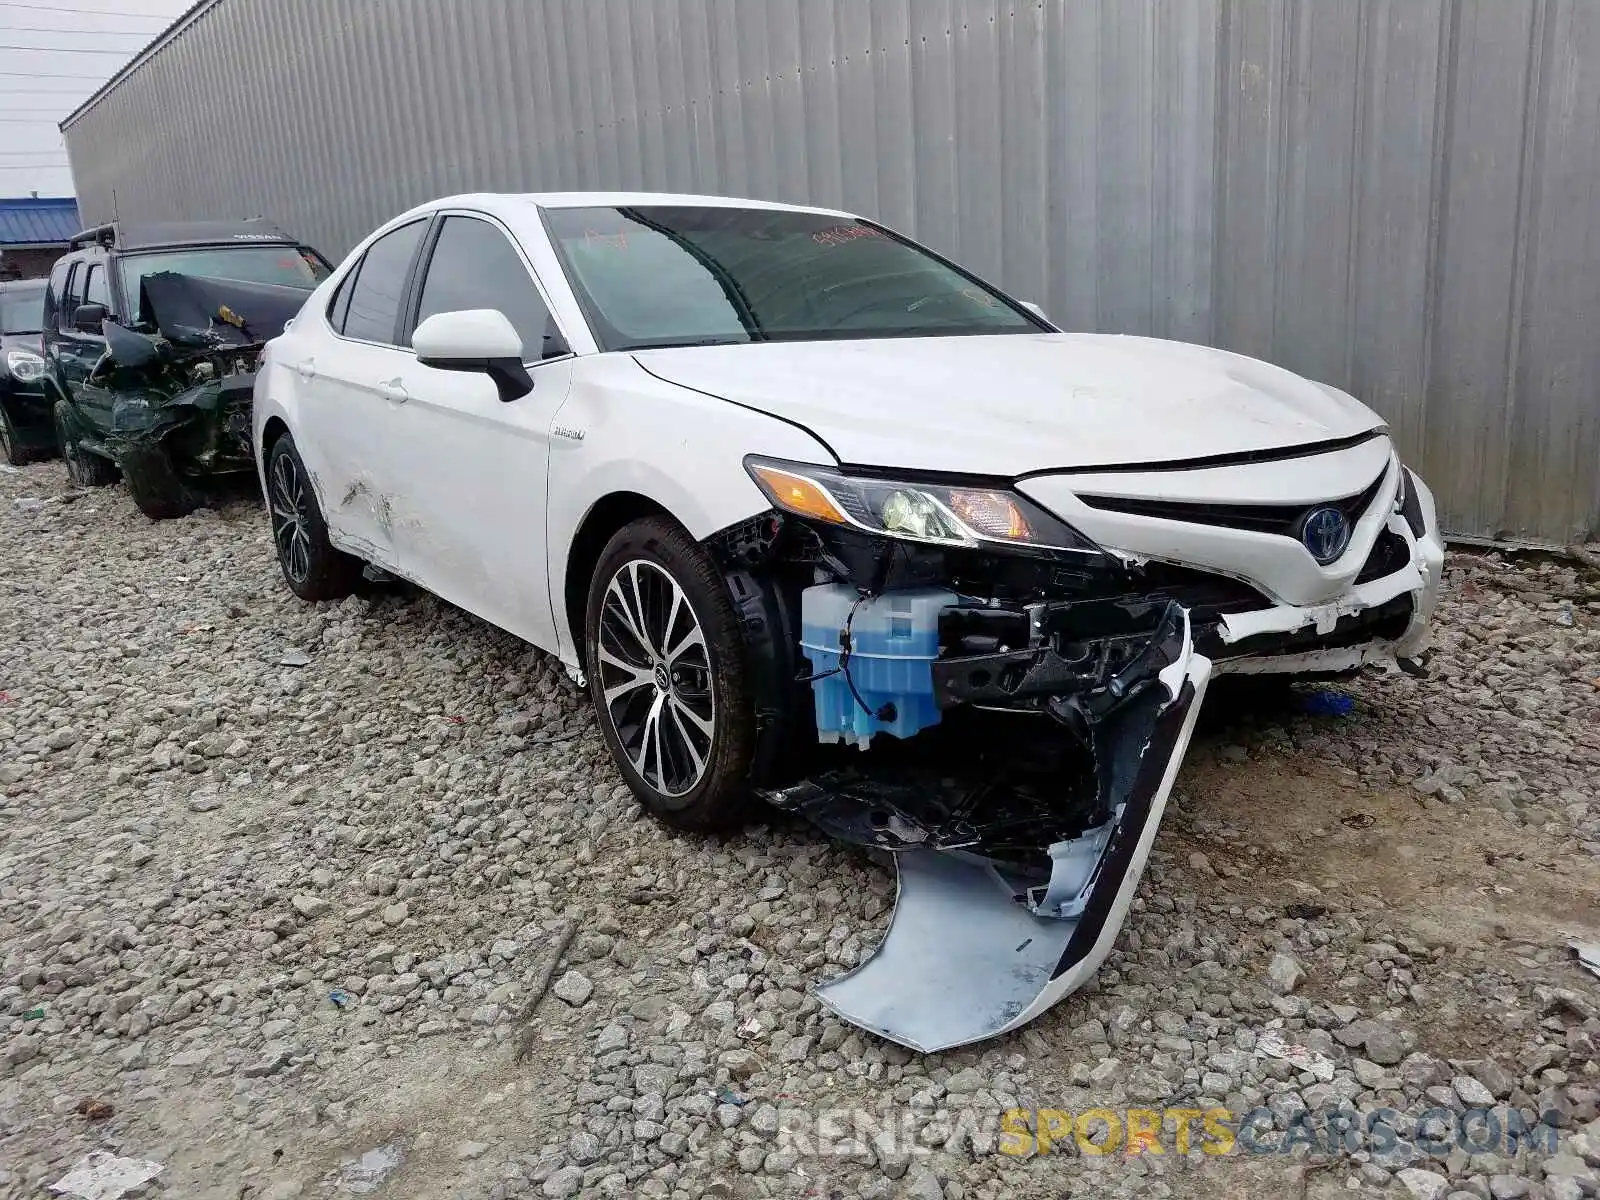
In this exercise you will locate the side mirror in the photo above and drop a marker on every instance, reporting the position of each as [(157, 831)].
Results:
[(475, 339), (86, 318), (1034, 309)]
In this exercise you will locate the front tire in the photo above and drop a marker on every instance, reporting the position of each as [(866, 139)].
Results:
[(85, 469), (312, 567), (668, 678), (11, 448)]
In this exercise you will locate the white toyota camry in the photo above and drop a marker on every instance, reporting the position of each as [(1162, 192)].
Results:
[(820, 518)]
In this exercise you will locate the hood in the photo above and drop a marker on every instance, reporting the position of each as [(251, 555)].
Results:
[(190, 310), (20, 341), (1010, 404)]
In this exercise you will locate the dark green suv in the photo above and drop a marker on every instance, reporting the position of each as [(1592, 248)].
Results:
[(151, 337)]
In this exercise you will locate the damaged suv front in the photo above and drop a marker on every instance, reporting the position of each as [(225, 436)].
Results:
[(1028, 691)]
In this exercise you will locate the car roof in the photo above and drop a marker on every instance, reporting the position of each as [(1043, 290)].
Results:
[(513, 203)]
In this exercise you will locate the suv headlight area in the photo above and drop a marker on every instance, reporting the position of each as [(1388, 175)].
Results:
[(25, 366), (938, 514)]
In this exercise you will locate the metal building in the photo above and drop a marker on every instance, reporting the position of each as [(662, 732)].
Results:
[(1395, 196)]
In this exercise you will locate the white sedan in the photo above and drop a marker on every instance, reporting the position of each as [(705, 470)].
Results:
[(819, 517)]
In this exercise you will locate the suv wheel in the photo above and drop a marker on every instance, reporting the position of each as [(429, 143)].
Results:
[(84, 467), (11, 448), (667, 676), (312, 567)]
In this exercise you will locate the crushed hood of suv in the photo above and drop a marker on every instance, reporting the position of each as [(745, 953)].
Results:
[(1007, 405)]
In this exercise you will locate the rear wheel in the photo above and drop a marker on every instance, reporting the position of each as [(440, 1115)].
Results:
[(667, 676), (312, 567), (84, 467)]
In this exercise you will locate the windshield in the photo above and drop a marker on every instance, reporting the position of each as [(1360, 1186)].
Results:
[(296, 266), (689, 276), (22, 309)]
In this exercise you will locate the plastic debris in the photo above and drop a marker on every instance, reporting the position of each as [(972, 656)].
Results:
[(103, 1176), (34, 1014), (295, 658), (1326, 702), (367, 1173), (727, 1095), (1272, 1043), (339, 998), (1588, 956)]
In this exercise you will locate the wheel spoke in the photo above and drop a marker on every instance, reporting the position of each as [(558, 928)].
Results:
[(703, 724), (681, 736), (692, 639), (617, 604), (650, 741)]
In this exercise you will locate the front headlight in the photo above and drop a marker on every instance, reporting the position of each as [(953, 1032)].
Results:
[(939, 514), (25, 366)]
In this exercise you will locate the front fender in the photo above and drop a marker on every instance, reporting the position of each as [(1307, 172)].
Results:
[(621, 430)]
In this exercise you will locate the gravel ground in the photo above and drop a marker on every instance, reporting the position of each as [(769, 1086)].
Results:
[(274, 926)]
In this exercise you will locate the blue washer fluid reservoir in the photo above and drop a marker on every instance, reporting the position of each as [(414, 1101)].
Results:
[(894, 639)]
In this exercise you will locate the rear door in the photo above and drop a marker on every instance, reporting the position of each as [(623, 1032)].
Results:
[(471, 469), (343, 374)]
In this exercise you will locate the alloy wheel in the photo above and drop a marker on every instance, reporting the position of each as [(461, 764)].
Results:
[(290, 516), (655, 677)]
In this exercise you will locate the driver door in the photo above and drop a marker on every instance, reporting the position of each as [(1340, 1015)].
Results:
[(472, 468)]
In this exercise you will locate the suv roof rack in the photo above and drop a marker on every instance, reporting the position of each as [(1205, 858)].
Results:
[(105, 235)]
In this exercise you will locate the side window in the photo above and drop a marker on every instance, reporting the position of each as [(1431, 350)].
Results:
[(97, 291), (474, 265), (55, 293), (373, 309), (339, 306), (71, 295)]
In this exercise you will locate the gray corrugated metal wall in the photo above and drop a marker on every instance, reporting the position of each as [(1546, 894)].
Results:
[(1395, 196)]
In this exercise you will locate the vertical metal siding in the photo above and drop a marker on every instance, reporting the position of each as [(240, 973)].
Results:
[(1394, 196)]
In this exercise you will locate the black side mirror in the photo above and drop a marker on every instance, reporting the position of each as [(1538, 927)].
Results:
[(86, 318), (511, 378)]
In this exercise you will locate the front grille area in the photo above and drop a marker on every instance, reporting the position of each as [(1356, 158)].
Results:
[(1389, 554), (1207, 594), (1281, 519)]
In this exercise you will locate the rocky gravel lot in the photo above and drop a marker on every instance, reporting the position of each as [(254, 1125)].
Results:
[(278, 881)]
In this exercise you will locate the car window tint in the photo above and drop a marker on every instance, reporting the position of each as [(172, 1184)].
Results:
[(55, 293), (380, 284), (71, 295), (96, 292), (474, 265)]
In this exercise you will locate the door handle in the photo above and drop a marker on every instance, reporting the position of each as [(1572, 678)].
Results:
[(307, 370), (394, 391)]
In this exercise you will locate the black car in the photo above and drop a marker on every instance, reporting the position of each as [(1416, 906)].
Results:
[(26, 432), (151, 338)]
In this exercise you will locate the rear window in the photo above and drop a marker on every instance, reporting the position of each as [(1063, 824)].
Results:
[(22, 309), (295, 266)]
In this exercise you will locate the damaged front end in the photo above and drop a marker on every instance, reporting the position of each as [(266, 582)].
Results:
[(171, 398), (1004, 715)]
